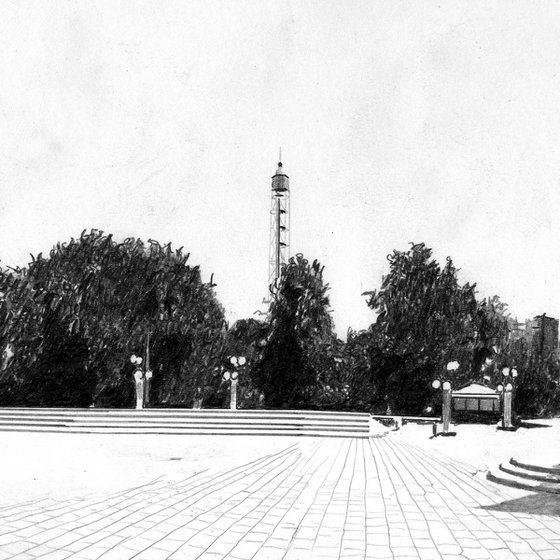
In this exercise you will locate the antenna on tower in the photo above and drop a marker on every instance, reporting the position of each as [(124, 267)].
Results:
[(280, 154)]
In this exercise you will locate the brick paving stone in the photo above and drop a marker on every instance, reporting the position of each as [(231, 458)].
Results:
[(539, 544), (477, 554), (519, 545), (404, 551), (20, 556), (18, 547), (76, 545), (90, 553), (56, 555), (9, 538), (154, 554), (321, 499), (503, 554), (428, 554)]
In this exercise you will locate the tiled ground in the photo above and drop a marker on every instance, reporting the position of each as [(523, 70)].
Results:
[(321, 498)]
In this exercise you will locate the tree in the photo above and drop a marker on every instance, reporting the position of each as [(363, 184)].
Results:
[(537, 387), (491, 331), (98, 300), (425, 318), (298, 360), (358, 375), (21, 328), (246, 338)]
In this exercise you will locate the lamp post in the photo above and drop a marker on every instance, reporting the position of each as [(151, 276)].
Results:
[(236, 362), (147, 373), (446, 398), (506, 388), (142, 379), (139, 380)]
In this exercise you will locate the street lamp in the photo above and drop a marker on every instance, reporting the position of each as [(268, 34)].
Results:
[(506, 388), (446, 398), (142, 380), (236, 362), (148, 372), (139, 380)]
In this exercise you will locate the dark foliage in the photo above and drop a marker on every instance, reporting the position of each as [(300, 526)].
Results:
[(72, 320), (358, 376), (537, 387), (425, 319), (297, 366), (247, 338)]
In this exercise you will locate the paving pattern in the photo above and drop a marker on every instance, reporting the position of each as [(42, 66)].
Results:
[(321, 498)]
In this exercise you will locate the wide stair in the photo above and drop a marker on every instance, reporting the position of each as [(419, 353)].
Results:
[(525, 476), (186, 421)]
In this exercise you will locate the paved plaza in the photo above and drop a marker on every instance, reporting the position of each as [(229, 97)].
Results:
[(381, 498)]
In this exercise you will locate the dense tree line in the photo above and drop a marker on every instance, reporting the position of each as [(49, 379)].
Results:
[(425, 319), (70, 321)]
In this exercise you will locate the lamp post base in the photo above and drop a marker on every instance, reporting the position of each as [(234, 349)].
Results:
[(507, 428)]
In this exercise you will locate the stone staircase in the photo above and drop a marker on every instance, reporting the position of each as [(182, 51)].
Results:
[(525, 476), (186, 421)]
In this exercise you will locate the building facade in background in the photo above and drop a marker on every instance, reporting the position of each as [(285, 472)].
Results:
[(544, 339), (540, 333)]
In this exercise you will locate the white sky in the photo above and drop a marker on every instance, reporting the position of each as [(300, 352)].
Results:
[(399, 121)]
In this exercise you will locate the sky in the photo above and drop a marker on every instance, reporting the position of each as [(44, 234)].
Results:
[(399, 122)]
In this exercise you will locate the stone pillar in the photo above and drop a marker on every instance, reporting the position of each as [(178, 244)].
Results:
[(139, 382), (507, 407), (147, 386), (233, 398), (446, 407)]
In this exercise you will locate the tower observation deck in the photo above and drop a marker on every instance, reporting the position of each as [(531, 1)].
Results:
[(279, 225)]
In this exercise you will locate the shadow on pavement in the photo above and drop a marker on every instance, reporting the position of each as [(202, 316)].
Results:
[(530, 425), (539, 503)]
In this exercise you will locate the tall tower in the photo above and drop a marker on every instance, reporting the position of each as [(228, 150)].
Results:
[(279, 224)]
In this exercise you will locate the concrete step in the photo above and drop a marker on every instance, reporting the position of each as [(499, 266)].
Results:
[(233, 431), (529, 475), (207, 420), (197, 424), (188, 412), (181, 411), (186, 421), (513, 481), (179, 416), (182, 420), (535, 468), (192, 425)]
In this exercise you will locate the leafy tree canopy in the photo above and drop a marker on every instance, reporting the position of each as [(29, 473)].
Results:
[(426, 318), (100, 300), (298, 359)]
